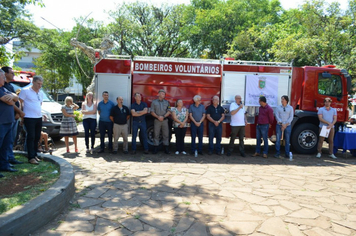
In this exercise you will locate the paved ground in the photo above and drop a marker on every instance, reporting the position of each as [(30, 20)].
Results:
[(209, 195)]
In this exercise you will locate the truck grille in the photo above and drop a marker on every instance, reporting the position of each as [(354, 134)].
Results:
[(57, 117)]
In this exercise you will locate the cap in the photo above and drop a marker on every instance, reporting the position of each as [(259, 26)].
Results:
[(161, 90), (328, 99)]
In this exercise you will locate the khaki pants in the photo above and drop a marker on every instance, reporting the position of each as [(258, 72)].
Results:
[(118, 131), (331, 141), (158, 126)]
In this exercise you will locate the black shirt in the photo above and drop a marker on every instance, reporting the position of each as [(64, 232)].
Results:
[(215, 113), (120, 115)]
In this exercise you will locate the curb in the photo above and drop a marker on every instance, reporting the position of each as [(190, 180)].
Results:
[(24, 219)]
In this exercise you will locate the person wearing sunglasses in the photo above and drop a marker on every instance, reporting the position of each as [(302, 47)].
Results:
[(327, 117), (284, 116)]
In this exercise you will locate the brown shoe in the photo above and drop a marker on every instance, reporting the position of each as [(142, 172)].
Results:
[(33, 161), (264, 155), (256, 154)]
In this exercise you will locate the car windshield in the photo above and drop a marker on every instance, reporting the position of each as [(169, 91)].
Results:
[(46, 96)]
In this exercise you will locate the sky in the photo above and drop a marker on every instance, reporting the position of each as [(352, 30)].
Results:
[(61, 14)]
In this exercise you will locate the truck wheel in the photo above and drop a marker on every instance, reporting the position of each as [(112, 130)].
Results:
[(150, 135), (304, 138)]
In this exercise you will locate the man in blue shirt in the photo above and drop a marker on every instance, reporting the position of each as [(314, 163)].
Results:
[(284, 116), (105, 124), (138, 111), (7, 101), (9, 77), (197, 117)]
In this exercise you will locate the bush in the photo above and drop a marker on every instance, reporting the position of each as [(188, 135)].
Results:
[(78, 116)]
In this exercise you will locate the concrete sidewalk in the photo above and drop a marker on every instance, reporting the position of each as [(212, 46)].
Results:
[(208, 195)]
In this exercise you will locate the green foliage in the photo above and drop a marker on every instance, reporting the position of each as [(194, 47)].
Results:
[(78, 116), (55, 63), (147, 30)]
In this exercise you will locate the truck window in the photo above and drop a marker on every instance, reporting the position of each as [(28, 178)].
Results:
[(330, 86)]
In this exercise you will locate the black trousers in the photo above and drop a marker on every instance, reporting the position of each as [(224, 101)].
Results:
[(180, 134), (33, 129)]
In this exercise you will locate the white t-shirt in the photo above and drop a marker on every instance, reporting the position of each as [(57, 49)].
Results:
[(239, 118), (32, 102), (89, 108)]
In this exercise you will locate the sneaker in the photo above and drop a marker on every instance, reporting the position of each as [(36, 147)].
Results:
[(243, 154), (318, 155), (88, 151), (210, 153), (332, 156), (126, 152), (228, 154), (177, 153), (184, 153), (101, 151), (276, 155), (114, 152), (146, 152), (264, 155)]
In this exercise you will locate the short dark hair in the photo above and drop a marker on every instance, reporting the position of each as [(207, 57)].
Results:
[(286, 98), (263, 99), (105, 92), (6, 69)]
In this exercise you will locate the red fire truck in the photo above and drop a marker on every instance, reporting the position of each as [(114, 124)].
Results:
[(183, 78)]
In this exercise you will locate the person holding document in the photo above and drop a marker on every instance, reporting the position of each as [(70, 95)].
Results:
[(327, 116)]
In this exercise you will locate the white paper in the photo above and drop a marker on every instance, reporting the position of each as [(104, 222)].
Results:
[(324, 131)]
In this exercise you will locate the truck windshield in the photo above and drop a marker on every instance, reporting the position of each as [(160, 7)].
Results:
[(330, 86)]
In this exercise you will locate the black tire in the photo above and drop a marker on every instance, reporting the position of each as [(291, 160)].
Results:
[(304, 138)]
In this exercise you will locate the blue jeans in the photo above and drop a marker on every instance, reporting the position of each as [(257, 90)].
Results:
[(287, 133), (103, 127), (33, 128), (194, 132), (215, 131), (5, 141), (14, 125), (89, 126), (143, 131), (262, 131)]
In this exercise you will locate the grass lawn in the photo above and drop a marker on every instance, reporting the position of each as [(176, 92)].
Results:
[(30, 181)]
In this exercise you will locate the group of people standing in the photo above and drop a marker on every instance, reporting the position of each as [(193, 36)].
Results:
[(24, 108), (114, 120)]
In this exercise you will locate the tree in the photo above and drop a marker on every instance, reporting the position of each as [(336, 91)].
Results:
[(55, 63), (213, 24), (146, 30), (91, 33), (15, 23)]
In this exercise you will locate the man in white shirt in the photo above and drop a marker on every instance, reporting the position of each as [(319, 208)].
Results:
[(238, 123), (31, 99)]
